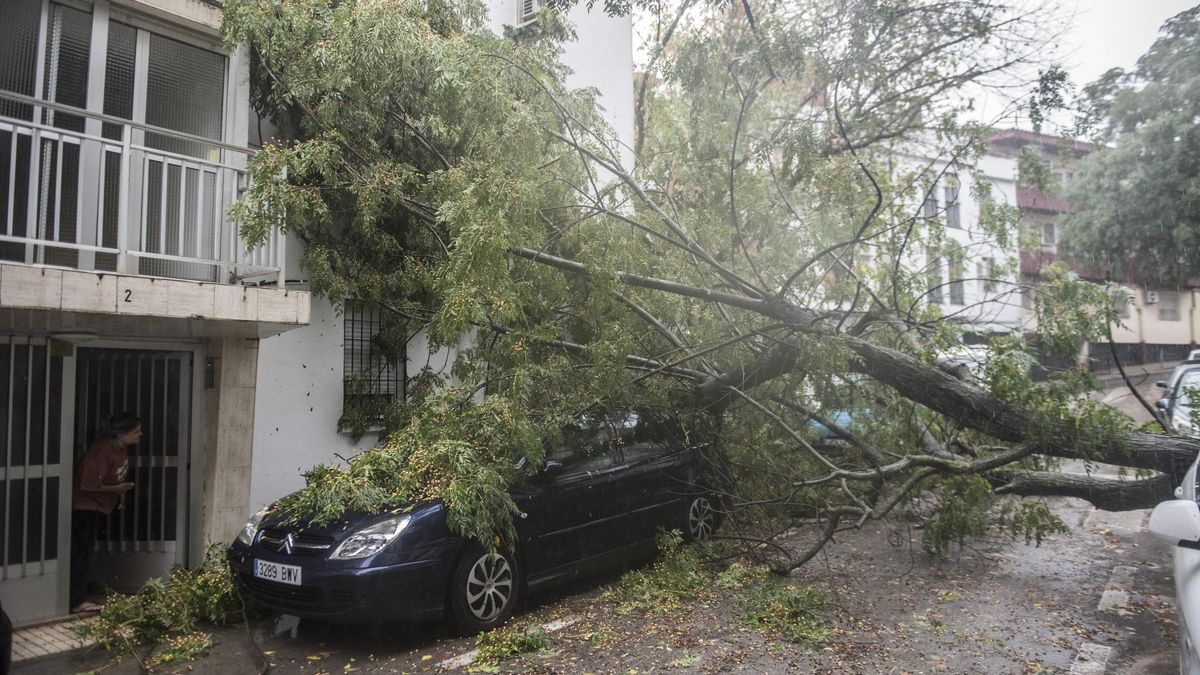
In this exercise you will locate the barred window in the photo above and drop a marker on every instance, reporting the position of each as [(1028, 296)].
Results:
[(373, 375), (929, 208), (1168, 306)]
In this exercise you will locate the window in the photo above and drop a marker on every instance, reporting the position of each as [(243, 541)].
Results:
[(372, 378), (1048, 234), (957, 287), (185, 90), (987, 272), (930, 208), (953, 216), (588, 445), (1168, 306), (934, 279), (1123, 300), (527, 11), (1027, 297)]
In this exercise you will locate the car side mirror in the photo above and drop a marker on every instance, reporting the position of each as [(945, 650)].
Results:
[(551, 468), (1161, 404), (1177, 522), (1161, 384)]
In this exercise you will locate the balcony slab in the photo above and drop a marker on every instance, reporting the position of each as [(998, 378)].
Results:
[(46, 300)]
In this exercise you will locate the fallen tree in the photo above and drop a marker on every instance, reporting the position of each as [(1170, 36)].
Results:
[(765, 264)]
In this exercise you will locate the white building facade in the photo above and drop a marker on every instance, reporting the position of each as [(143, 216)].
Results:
[(970, 273)]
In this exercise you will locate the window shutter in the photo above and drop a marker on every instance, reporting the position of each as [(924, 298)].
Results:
[(527, 11)]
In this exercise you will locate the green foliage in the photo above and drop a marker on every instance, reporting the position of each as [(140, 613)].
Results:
[(1034, 171), (1030, 519), (791, 612), (739, 575), (452, 449), (675, 578), (962, 512), (168, 613), (180, 648), (1071, 310), (965, 508), (1048, 95), (513, 639), (1133, 198)]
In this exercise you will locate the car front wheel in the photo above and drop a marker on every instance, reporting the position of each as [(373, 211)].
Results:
[(483, 589), (701, 519)]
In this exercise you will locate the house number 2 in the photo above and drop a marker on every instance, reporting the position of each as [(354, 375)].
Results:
[(128, 295)]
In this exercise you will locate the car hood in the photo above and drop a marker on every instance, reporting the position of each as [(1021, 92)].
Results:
[(348, 523)]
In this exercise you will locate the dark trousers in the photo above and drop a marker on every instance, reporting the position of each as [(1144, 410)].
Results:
[(84, 525)]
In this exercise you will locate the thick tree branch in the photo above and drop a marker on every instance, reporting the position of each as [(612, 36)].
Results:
[(1110, 494)]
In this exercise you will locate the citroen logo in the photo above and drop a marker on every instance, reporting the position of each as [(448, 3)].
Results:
[(286, 546)]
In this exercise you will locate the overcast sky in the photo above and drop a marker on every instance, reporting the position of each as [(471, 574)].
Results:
[(1113, 33), (1099, 35)]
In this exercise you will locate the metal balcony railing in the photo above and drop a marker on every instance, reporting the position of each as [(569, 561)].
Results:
[(94, 192)]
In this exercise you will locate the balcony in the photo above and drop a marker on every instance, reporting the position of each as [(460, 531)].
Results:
[(121, 228), (92, 192)]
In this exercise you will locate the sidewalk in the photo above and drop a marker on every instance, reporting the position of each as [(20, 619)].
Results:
[(48, 638), (1140, 376), (232, 653)]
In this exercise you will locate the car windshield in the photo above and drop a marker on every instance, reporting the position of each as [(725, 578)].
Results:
[(1189, 389)]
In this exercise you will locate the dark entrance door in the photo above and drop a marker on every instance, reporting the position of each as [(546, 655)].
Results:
[(148, 533)]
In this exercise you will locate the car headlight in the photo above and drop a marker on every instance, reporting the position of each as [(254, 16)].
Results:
[(246, 536), (371, 540)]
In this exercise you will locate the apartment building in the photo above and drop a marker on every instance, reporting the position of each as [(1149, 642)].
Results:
[(1158, 324)]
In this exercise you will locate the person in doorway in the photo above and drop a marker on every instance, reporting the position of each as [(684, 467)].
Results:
[(99, 484)]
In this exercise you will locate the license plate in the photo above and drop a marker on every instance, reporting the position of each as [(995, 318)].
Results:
[(284, 574)]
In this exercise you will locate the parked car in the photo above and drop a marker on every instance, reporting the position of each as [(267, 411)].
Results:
[(1177, 522), (598, 501), (1175, 403)]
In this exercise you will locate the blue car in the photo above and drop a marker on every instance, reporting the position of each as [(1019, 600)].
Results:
[(598, 502)]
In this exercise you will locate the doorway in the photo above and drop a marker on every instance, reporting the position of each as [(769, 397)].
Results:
[(148, 534)]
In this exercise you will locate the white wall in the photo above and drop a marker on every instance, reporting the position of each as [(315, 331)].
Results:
[(997, 310), (297, 406), (600, 58)]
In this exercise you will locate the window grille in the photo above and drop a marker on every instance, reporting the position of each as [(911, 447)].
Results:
[(372, 377), (930, 207), (1168, 306)]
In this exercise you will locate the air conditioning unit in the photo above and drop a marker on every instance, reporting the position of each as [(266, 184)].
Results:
[(527, 11), (1151, 297)]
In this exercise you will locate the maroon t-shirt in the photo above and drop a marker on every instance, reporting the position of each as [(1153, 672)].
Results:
[(104, 463)]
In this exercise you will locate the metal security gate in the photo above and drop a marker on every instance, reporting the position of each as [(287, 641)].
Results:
[(35, 481), (148, 533)]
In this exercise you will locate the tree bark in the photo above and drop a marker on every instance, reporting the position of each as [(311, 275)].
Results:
[(1109, 494)]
